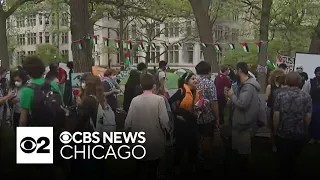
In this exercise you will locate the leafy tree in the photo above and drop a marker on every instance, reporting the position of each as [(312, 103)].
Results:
[(48, 53), (6, 10)]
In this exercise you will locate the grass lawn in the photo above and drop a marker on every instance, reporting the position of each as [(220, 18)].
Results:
[(263, 160)]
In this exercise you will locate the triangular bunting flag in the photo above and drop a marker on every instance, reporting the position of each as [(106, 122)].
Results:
[(140, 45), (258, 46), (245, 46), (231, 45), (203, 44), (127, 58), (165, 45), (94, 39), (78, 44), (129, 44), (217, 47), (153, 45), (116, 43), (106, 41)]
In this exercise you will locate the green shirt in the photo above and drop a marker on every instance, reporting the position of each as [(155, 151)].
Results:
[(27, 93)]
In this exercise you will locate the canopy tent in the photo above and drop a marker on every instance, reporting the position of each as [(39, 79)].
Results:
[(172, 80)]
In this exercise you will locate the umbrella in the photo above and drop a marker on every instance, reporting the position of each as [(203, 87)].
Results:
[(172, 80)]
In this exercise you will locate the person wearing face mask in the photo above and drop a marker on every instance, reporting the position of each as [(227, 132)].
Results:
[(19, 79), (112, 88), (312, 87)]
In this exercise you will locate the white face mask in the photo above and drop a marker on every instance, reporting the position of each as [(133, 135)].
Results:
[(17, 84), (83, 85)]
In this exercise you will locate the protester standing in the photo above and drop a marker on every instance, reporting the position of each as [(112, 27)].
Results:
[(304, 75), (112, 89), (148, 113), (244, 116), (62, 77), (132, 89), (209, 120), (312, 87), (292, 115), (222, 82)]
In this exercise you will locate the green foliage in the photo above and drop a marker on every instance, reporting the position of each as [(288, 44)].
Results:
[(48, 53)]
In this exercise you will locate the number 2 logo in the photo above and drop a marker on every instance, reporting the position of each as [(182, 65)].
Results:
[(29, 145)]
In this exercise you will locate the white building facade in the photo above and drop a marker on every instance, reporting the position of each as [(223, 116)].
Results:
[(41, 28)]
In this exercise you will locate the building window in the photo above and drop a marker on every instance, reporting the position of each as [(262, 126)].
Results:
[(20, 56), (172, 29), (64, 38), (190, 53), (218, 32), (65, 55), (65, 19), (31, 21), (157, 30), (235, 17), (234, 35), (53, 38), (47, 37), (40, 19), (53, 18), (133, 32), (226, 33), (172, 55), (31, 53), (188, 28), (40, 37), (21, 22), (21, 39), (32, 38), (155, 55)]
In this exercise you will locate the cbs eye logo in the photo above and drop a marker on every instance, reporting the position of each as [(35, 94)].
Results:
[(65, 137), (29, 145)]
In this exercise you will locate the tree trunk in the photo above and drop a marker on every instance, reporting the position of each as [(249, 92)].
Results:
[(264, 36), (205, 32), (4, 53), (315, 40), (81, 28)]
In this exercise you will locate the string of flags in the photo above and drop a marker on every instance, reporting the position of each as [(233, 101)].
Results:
[(141, 45)]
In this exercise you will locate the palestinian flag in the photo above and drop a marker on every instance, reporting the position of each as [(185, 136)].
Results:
[(245, 46), (140, 45), (127, 58), (117, 43), (94, 39), (106, 41), (231, 45), (258, 46), (165, 45), (217, 47), (78, 44), (129, 44)]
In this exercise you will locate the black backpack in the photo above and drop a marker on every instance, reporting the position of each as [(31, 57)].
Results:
[(47, 107)]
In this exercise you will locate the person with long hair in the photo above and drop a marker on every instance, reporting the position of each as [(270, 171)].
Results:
[(276, 82), (132, 89), (148, 113), (92, 96), (19, 79), (185, 120)]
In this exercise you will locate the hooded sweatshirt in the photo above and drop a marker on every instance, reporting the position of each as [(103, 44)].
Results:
[(246, 105)]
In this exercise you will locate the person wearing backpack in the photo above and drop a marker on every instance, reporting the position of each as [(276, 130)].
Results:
[(244, 116), (39, 99)]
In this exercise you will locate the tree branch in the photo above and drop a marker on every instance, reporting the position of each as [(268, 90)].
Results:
[(16, 5)]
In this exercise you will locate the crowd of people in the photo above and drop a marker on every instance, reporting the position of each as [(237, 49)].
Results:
[(187, 120)]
